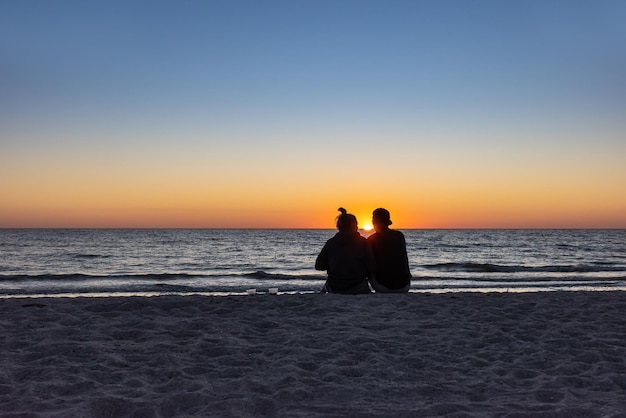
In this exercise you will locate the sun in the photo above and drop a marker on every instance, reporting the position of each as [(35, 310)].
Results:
[(367, 227)]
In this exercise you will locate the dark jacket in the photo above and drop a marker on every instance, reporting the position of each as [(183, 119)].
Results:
[(348, 260), (392, 262)]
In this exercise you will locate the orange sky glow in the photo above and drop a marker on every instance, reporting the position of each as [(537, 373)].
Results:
[(273, 115)]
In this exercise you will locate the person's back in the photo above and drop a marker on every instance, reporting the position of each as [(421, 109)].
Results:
[(389, 247), (347, 259)]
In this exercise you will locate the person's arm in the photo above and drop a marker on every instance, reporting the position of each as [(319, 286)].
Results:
[(370, 263), (406, 257), (321, 262)]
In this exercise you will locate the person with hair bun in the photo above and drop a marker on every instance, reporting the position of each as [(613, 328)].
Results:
[(347, 258), (392, 263)]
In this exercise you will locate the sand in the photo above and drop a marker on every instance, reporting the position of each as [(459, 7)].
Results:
[(560, 354)]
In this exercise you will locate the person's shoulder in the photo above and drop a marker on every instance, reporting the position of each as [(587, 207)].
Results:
[(334, 238), (397, 235)]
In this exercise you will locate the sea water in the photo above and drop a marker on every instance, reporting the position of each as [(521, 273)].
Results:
[(114, 262)]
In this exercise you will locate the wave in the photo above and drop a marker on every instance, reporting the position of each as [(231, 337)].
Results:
[(518, 281), (89, 256), (157, 283), (261, 275), (496, 268), (75, 277), (81, 276)]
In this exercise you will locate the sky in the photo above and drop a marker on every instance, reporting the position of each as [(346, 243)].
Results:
[(272, 114)]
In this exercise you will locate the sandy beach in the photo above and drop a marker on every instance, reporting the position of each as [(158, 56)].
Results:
[(557, 354)]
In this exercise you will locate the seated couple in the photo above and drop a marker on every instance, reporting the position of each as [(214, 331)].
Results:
[(351, 260)]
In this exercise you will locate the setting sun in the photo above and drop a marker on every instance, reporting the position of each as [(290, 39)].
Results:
[(368, 227)]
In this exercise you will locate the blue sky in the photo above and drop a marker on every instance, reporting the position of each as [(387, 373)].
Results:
[(237, 58), (411, 81)]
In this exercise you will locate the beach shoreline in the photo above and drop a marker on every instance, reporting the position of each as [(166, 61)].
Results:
[(420, 354)]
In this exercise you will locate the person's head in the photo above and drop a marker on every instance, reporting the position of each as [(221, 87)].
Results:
[(346, 221), (381, 219)]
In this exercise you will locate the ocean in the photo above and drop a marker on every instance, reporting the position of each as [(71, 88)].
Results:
[(150, 262)]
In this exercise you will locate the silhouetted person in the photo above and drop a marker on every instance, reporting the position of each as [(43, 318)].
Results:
[(392, 263), (347, 258)]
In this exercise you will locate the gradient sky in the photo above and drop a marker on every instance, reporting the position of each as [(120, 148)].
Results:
[(275, 113)]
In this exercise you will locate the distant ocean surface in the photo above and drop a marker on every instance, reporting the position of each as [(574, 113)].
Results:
[(123, 262)]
